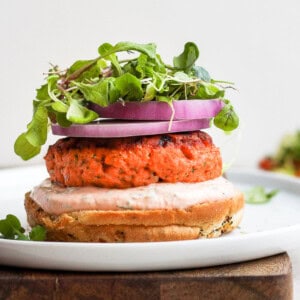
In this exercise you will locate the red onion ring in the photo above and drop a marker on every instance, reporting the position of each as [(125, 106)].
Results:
[(155, 110), (118, 128)]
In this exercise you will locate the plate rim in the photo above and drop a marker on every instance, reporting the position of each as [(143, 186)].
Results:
[(177, 246)]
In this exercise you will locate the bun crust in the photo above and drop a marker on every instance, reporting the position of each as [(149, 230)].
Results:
[(205, 220)]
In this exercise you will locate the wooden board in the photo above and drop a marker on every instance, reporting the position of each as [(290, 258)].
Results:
[(268, 278)]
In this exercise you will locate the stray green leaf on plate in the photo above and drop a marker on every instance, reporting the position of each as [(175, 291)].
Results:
[(10, 228), (258, 195)]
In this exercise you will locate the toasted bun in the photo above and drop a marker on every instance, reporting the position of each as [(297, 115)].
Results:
[(205, 220)]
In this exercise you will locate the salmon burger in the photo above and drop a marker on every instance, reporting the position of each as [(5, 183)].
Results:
[(149, 188), (133, 162)]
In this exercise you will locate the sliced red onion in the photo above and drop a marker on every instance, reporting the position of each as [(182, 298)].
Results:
[(155, 110), (118, 128)]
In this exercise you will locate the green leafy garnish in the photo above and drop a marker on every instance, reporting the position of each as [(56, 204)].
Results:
[(186, 60), (10, 228), (227, 118), (258, 195), (106, 79), (37, 233)]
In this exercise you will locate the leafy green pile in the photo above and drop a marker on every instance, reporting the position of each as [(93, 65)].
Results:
[(10, 228), (66, 95)]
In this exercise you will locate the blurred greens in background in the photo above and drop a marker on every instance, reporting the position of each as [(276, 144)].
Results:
[(287, 157)]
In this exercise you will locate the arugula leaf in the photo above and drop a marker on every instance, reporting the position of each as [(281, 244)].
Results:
[(60, 106), (148, 49), (80, 69), (107, 50), (102, 93), (258, 195), (77, 65), (96, 93), (29, 143), (142, 66), (42, 92), (129, 86), (185, 61), (150, 92), (148, 67), (10, 228), (24, 149), (38, 233), (37, 129), (80, 114)]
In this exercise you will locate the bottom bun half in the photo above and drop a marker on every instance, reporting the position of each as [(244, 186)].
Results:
[(204, 220)]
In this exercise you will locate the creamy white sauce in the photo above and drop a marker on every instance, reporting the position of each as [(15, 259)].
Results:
[(57, 200)]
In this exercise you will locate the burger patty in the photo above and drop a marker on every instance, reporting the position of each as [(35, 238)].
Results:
[(133, 161)]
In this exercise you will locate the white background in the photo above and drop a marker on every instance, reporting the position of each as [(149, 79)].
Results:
[(254, 43)]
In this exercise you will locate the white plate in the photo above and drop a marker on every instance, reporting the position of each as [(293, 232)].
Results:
[(266, 230)]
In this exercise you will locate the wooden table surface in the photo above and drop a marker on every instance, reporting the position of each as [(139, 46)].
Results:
[(268, 278)]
